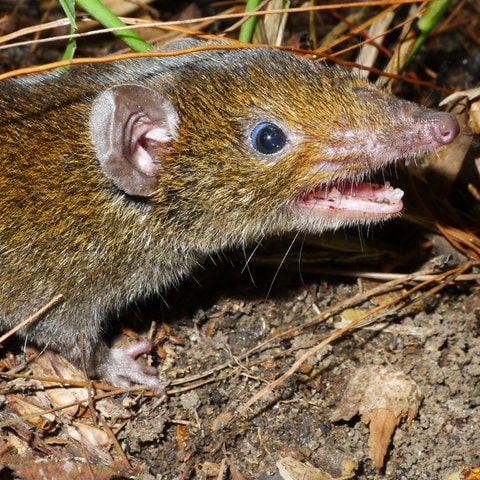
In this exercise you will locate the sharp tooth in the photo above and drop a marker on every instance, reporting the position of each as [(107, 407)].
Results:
[(396, 195), (389, 195), (334, 193)]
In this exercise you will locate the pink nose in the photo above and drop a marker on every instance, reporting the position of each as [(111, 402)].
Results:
[(445, 127)]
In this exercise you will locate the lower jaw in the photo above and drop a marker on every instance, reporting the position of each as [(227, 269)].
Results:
[(352, 202)]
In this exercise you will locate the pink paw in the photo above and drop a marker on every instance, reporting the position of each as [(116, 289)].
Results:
[(121, 368)]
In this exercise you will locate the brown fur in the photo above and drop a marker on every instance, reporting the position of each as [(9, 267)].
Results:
[(66, 228)]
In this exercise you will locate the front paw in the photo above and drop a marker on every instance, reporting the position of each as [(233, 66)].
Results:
[(121, 368)]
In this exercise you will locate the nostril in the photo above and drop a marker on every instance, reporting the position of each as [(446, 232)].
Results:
[(435, 128), (446, 128)]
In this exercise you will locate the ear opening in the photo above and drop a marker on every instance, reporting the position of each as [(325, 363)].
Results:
[(131, 127)]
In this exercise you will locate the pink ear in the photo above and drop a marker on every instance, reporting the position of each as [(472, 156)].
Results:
[(131, 126)]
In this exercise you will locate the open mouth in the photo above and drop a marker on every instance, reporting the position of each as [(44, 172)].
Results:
[(352, 199)]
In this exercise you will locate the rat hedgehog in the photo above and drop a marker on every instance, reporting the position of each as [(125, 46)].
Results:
[(117, 179)]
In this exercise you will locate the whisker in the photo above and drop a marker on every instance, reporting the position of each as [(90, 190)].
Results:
[(281, 264)]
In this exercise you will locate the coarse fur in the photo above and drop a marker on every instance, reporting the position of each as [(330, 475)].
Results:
[(66, 228)]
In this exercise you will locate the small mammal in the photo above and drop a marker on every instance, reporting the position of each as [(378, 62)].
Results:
[(117, 179)]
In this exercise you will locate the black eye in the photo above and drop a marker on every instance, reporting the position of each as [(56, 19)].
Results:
[(268, 138)]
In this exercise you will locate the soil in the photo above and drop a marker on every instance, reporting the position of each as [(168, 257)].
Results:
[(435, 343), (209, 326)]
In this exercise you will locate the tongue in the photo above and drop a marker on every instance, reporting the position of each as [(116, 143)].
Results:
[(357, 197)]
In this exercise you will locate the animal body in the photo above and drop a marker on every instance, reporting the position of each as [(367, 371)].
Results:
[(117, 179)]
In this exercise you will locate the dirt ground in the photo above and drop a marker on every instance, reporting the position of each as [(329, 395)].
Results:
[(204, 336), (240, 324), (436, 344)]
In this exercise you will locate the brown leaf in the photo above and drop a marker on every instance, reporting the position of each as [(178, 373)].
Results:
[(382, 425), (382, 396), (292, 469), (33, 411), (33, 468), (95, 441), (52, 365)]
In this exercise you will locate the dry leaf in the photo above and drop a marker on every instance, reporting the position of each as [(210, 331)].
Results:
[(52, 365), (474, 121), (382, 396), (234, 470), (292, 469), (471, 94), (34, 412), (465, 474), (123, 7), (95, 440), (71, 468), (471, 474), (208, 470)]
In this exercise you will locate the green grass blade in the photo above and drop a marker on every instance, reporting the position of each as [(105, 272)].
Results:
[(97, 10)]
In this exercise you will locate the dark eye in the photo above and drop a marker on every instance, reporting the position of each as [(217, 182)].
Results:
[(268, 138)]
